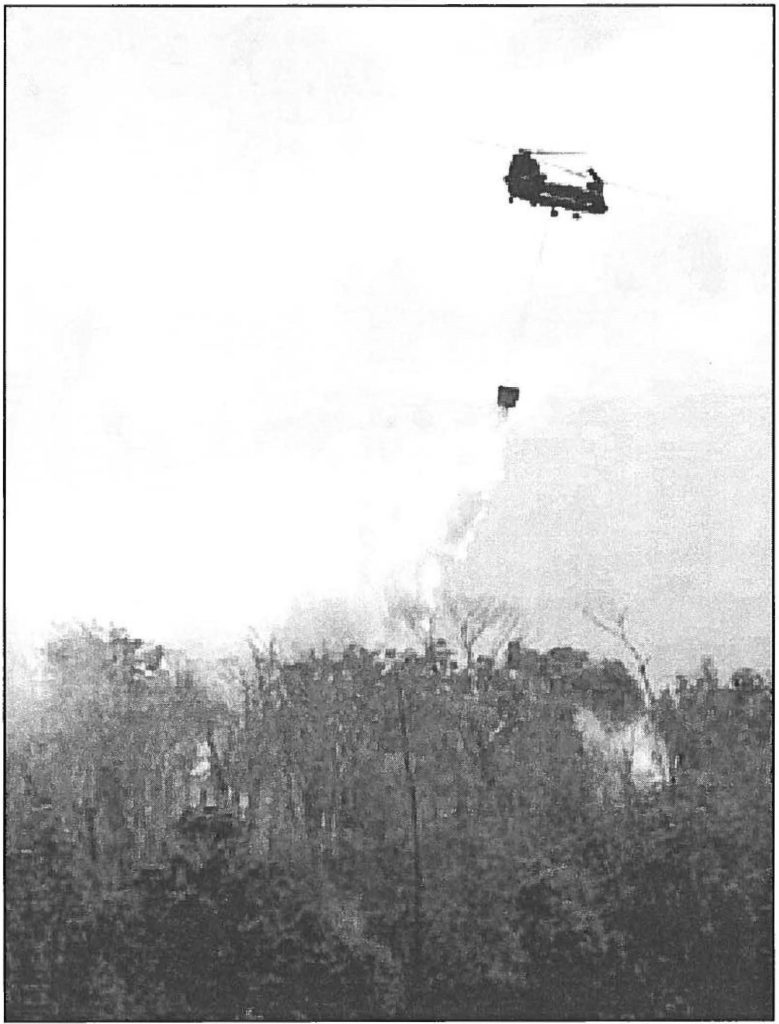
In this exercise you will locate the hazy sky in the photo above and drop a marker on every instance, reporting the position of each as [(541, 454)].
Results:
[(263, 282)]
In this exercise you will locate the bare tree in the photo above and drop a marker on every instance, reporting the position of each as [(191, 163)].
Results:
[(259, 656), (484, 618), (618, 629), (413, 615)]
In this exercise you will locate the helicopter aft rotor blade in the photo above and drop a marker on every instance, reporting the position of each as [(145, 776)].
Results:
[(640, 191), (539, 152), (614, 184), (570, 170)]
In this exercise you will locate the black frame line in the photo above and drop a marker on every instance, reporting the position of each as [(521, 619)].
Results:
[(381, 6)]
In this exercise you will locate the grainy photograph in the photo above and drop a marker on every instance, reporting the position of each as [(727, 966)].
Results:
[(388, 507)]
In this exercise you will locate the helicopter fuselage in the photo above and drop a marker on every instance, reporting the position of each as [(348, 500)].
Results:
[(525, 181)]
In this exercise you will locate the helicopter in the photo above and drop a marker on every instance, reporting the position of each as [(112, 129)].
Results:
[(525, 180)]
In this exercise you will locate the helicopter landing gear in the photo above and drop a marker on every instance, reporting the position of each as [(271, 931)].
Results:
[(511, 199), (555, 213), (576, 216)]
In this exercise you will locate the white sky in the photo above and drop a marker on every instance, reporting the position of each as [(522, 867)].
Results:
[(263, 282)]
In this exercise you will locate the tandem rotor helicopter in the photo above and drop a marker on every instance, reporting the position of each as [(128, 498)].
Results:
[(525, 180)]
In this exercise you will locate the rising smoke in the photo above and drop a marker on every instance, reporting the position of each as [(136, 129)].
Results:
[(416, 531), (481, 475)]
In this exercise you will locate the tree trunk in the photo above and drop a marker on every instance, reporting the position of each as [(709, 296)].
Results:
[(412, 791)]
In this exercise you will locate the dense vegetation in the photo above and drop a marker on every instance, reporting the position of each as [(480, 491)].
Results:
[(352, 839)]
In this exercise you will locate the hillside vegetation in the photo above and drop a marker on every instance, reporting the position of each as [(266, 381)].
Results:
[(356, 837)]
